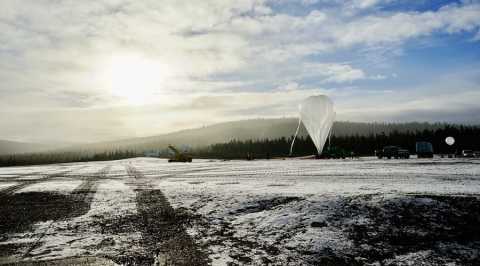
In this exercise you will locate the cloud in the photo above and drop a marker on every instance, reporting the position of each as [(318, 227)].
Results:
[(339, 73), (102, 124), (363, 4), (221, 59), (402, 26)]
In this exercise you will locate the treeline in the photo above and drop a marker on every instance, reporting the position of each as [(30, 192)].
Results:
[(265, 148), (467, 137), (255, 129), (64, 157)]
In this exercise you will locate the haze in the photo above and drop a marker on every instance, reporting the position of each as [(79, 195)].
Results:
[(77, 71)]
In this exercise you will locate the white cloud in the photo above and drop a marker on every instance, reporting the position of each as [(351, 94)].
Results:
[(365, 3), (340, 73), (53, 53), (291, 86), (402, 26)]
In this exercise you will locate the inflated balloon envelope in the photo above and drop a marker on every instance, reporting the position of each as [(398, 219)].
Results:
[(317, 115)]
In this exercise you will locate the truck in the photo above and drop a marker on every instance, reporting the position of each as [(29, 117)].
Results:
[(468, 154), (390, 152), (424, 149)]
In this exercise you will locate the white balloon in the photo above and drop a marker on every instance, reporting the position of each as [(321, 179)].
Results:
[(317, 115), (450, 141)]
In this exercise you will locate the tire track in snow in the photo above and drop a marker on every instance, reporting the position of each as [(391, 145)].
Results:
[(12, 178), (85, 192), (163, 235), (83, 196), (12, 189)]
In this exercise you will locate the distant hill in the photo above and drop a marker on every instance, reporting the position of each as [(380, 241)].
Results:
[(261, 138), (14, 147), (250, 129)]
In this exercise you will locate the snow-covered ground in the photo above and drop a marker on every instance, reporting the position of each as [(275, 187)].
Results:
[(264, 210), (365, 211)]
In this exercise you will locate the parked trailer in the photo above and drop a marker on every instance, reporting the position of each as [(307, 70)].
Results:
[(424, 149), (390, 152)]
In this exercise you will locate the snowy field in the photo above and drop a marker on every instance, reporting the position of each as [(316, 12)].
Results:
[(278, 212)]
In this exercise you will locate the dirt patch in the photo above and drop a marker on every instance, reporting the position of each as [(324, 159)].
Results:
[(87, 189), (163, 228), (82, 261), (196, 182), (10, 249), (384, 229), (279, 185), (221, 233), (20, 211), (265, 205), (117, 224), (227, 183)]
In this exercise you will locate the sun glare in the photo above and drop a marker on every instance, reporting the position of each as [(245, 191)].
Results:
[(134, 78)]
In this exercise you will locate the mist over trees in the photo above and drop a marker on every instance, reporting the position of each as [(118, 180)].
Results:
[(254, 129), (360, 138)]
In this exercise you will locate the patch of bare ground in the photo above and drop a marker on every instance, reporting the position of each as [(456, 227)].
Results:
[(227, 183), (164, 236), (82, 261), (221, 232), (20, 211), (85, 192), (429, 229), (196, 182), (265, 204), (383, 230)]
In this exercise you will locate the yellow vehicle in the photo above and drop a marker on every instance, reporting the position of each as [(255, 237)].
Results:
[(179, 156)]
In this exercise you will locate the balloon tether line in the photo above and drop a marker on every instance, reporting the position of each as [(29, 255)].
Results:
[(294, 137)]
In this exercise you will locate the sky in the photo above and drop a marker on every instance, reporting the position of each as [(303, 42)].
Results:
[(86, 71)]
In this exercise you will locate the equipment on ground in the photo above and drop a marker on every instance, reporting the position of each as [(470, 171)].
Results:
[(334, 153), (424, 149), (179, 156), (468, 154), (390, 152)]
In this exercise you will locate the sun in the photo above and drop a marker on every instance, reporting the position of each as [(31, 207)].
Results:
[(134, 78)]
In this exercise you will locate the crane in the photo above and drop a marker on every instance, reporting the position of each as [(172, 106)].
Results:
[(179, 156)]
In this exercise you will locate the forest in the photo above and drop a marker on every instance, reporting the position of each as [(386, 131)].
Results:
[(467, 137)]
